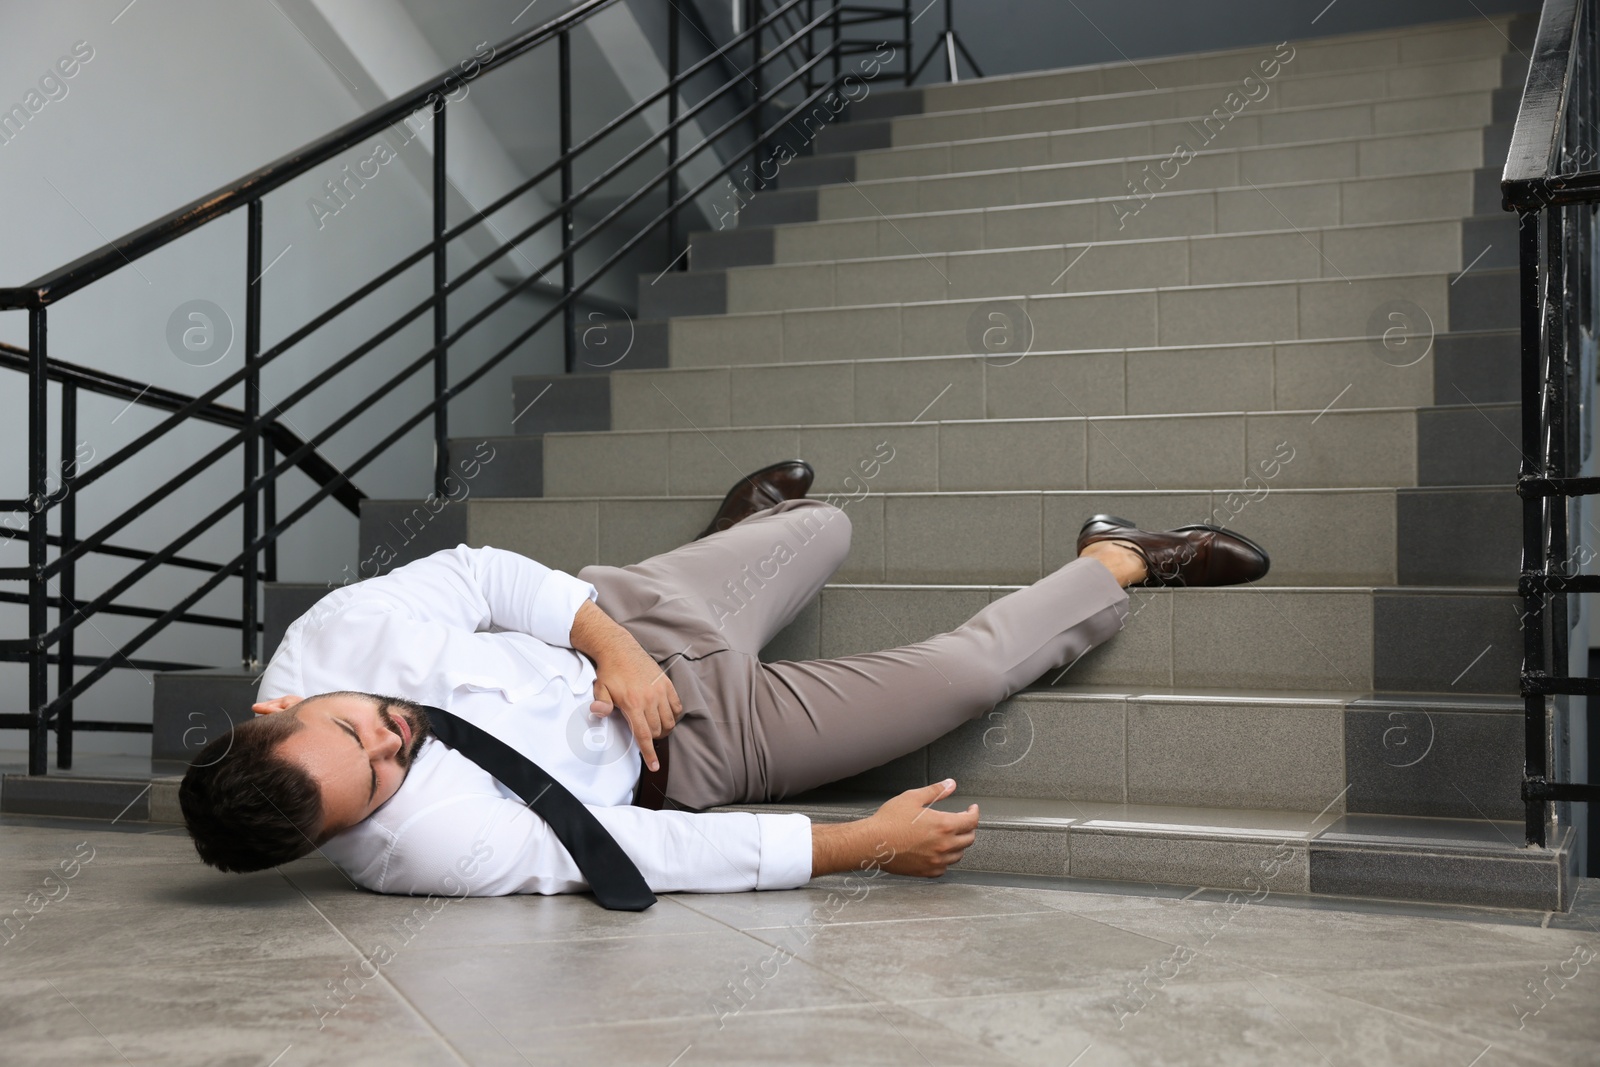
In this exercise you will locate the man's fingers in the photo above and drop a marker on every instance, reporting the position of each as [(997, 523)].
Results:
[(928, 794), (646, 748)]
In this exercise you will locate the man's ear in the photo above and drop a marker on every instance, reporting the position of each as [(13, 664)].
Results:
[(283, 703)]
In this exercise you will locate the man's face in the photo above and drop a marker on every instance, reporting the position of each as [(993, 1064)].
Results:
[(357, 748)]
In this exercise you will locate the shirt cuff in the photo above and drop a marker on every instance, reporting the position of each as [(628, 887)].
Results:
[(785, 851), (556, 605)]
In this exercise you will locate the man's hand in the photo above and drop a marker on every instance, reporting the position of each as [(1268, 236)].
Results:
[(626, 678), (904, 836)]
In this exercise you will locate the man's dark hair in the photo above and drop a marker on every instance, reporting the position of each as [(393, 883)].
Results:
[(247, 808)]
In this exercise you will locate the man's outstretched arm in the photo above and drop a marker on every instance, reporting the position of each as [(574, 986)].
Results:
[(905, 836)]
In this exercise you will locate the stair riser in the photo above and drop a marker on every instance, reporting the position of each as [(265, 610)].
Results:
[(1334, 450), (1179, 213), (1412, 153), (1394, 248), (1461, 369), (1046, 135), (1399, 51), (1178, 317), (1480, 368), (911, 125), (1295, 756), (1384, 537), (1289, 90)]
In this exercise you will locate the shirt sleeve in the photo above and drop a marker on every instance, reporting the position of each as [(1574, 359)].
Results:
[(476, 588), (480, 845)]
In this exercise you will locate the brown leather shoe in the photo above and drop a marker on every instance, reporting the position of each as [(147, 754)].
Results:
[(755, 492), (1201, 554)]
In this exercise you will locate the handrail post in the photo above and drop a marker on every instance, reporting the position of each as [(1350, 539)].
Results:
[(269, 509), (38, 519), (569, 319), (953, 74), (441, 322), (249, 575), (1533, 542), (910, 52), (67, 586), (672, 132), (756, 70), (838, 34)]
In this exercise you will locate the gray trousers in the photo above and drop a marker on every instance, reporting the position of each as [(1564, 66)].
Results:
[(755, 731)]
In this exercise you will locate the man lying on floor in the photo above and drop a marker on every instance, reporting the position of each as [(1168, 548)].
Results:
[(483, 724)]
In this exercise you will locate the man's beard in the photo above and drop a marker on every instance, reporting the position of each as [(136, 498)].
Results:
[(416, 719)]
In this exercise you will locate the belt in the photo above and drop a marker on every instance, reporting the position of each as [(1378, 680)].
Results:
[(652, 790)]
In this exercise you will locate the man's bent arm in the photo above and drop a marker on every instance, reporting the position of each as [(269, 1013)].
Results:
[(628, 678)]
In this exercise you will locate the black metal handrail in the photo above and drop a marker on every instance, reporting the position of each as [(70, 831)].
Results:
[(775, 70), (1551, 182)]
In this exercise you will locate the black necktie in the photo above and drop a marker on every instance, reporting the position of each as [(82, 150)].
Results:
[(616, 882)]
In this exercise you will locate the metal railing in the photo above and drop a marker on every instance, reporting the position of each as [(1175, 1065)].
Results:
[(786, 59), (1553, 184)]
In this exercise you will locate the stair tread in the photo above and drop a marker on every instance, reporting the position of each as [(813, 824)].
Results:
[(1136, 123), (1197, 287), (1469, 128), (914, 257), (1147, 93)]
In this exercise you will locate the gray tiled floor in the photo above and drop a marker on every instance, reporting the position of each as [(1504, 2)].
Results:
[(151, 958)]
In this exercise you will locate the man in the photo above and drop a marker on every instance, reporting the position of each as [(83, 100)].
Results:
[(589, 676)]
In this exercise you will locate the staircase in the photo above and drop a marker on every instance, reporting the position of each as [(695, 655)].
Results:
[(1304, 329)]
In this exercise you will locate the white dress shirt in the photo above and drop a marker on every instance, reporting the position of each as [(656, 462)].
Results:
[(486, 634)]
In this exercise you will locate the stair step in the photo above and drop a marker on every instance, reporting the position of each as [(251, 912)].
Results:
[(1290, 90), (1132, 176), (1463, 861), (1172, 316), (1044, 134), (192, 708), (1259, 376), (1077, 217), (1355, 54), (1279, 254), (1335, 448), (1384, 536), (1449, 756)]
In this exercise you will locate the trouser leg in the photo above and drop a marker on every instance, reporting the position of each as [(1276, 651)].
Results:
[(721, 599), (802, 724)]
